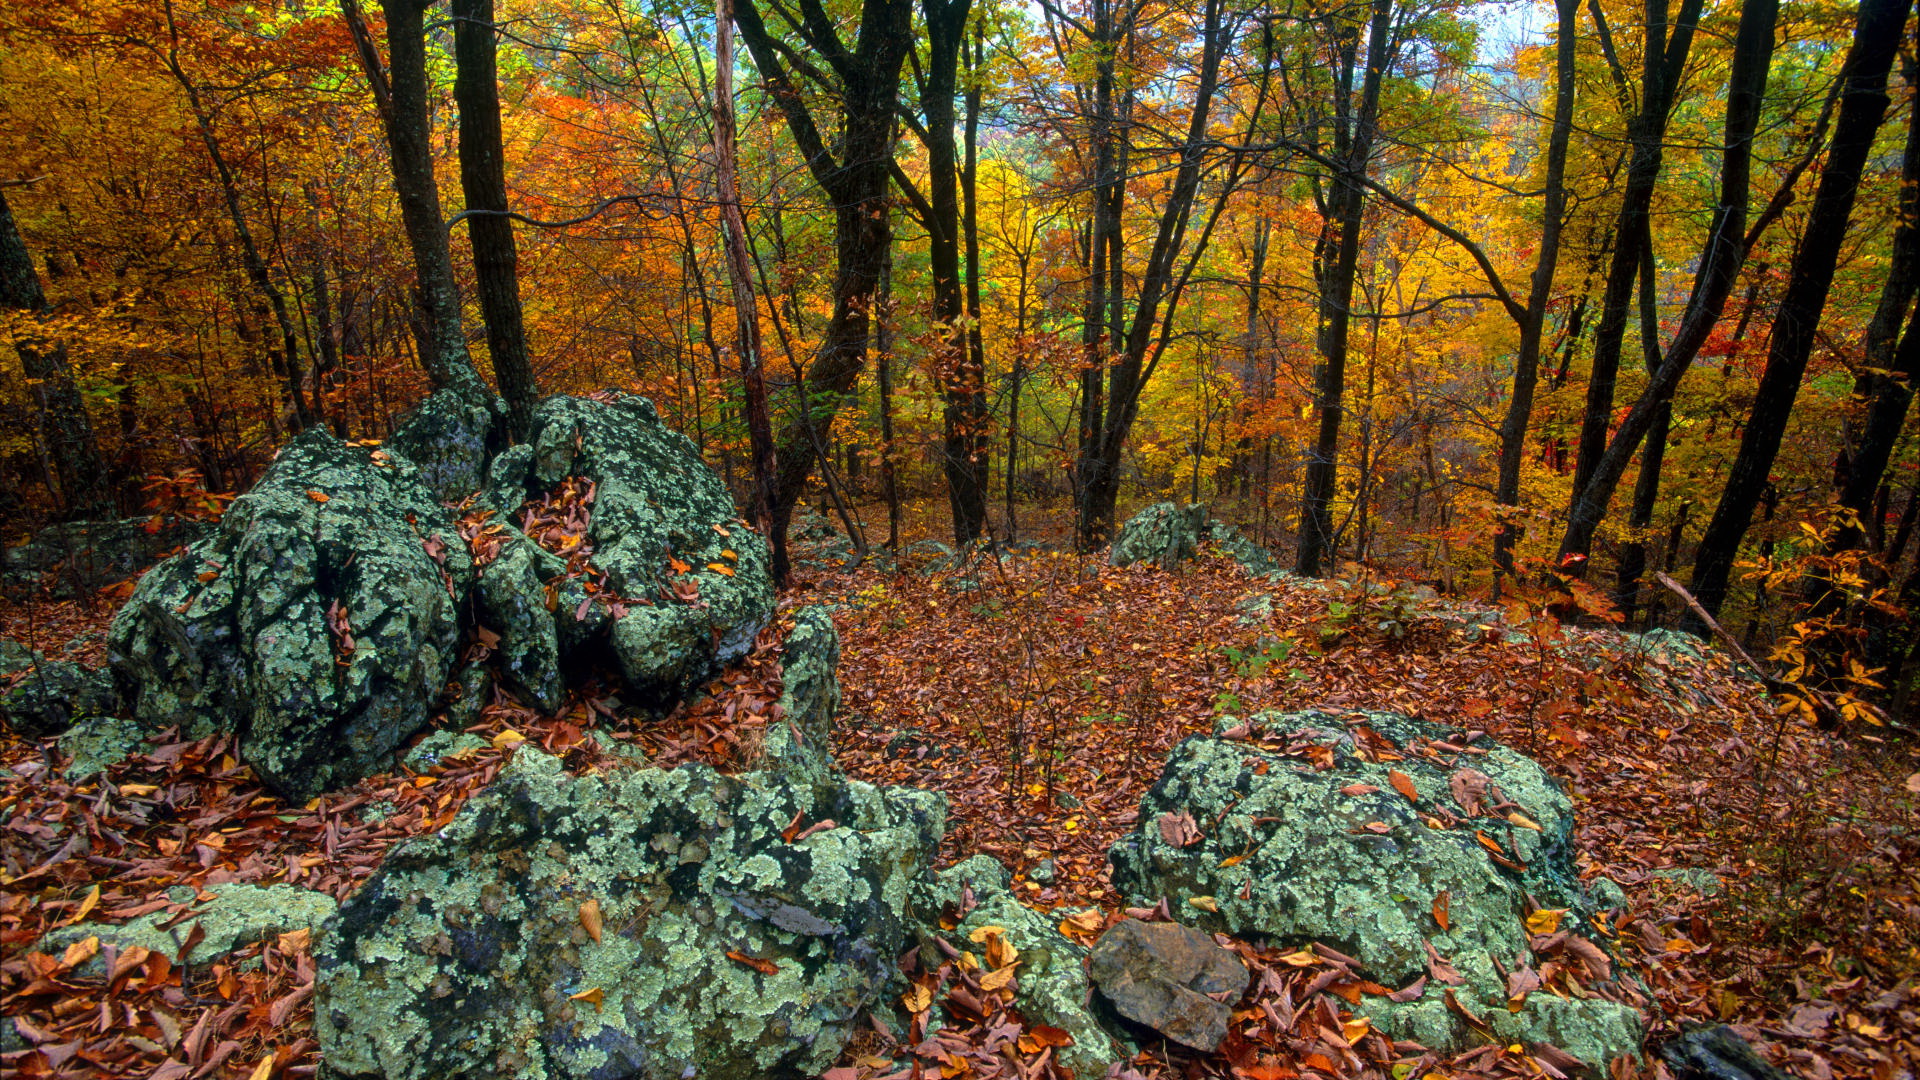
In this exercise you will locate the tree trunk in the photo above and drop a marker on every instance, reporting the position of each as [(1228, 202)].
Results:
[(65, 429), (747, 314), (483, 178), (1722, 254), (1662, 62), (1863, 104), (1526, 370), (1354, 149), (409, 123)]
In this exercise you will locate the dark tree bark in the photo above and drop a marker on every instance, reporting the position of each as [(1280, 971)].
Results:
[(401, 95), (1553, 211), (854, 175), (1662, 61), (1353, 150), (1097, 473), (1646, 488), (1722, 254), (483, 179), (963, 418), (1863, 105), (65, 429), (746, 312)]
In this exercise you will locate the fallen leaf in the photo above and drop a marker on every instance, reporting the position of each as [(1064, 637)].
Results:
[(1440, 906), (918, 999), (319, 496), (997, 979), (1545, 921), (1403, 784), (757, 963), (1205, 903), (508, 739), (87, 905), (1179, 829), (1516, 818), (595, 995), (1358, 789), (590, 919)]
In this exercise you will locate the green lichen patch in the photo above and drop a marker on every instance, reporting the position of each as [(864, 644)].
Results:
[(581, 927), (45, 697), (1164, 534), (320, 620), (1297, 831), (233, 916), (98, 743), (798, 743)]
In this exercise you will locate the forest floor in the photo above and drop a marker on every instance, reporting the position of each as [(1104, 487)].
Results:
[(1773, 871)]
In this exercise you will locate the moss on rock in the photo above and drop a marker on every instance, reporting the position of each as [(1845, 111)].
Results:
[(98, 743), (800, 743), (1291, 853), (237, 915), (469, 954), (315, 620), (48, 696), (1165, 534)]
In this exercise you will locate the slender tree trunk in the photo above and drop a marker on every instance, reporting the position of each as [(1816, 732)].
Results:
[(483, 178), (1526, 371), (752, 376), (1662, 62), (65, 429), (1646, 488), (883, 348), (1863, 104), (1721, 257), (401, 97), (1336, 294)]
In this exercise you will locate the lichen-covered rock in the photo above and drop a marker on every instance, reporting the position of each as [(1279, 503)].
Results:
[(75, 558), (799, 744), (319, 621), (234, 915), (98, 743), (46, 697), (641, 923), (1300, 832), (449, 436), (1051, 987), (1164, 534), (656, 504), (511, 595), (1170, 978), (1254, 559)]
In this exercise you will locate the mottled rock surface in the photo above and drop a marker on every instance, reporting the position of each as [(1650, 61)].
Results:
[(99, 742), (233, 916), (582, 927), (1164, 534), (1300, 833), (656, 507), (1170, 978), (46, 697), (75, 558), (320, 620), (1052, 986)]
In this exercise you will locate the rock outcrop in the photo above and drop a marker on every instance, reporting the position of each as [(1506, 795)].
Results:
[(1169, 978), (41, 697), (1168, 534), (320, 620), (644, 923), (1387, 839), (232, 916)]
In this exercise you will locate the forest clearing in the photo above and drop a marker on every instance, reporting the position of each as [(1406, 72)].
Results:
[(882, 539)]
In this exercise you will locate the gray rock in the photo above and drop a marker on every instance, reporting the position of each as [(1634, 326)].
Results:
[(237, 915), (1051, 986), (1716, 1053), (441, 746), (247, 630), (76, 558), (98, 743), (799, 744), (48, 697), (512, 602), (655, 501), (449, 436), (1043, 872), (1289, 856), (1164, 534), (475, 951), (1170, 978)]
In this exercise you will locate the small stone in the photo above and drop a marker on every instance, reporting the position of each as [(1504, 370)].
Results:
[(1171, 978), (1043, 872)]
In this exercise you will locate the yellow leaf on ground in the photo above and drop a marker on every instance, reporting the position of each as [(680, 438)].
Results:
[(594, 995), (917, 1000), (590, 919), (1545, 921), (508, 739)]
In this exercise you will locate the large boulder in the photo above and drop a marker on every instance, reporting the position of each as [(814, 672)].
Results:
[(641, 923), (75, 558), (1164, 534), (1300, 828), (46, 697), (320, 620), (680, 586)]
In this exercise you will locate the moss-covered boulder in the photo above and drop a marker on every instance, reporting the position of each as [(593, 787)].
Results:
[(1164, 534), (98, 743), (1051, 987), (451, 437), (799, 743), (691, 583), (46, 697), (644, 923), (231, 916), (320, 620), (1300, 828)]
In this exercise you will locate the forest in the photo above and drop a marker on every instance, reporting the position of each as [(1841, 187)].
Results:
[(1020, 401)]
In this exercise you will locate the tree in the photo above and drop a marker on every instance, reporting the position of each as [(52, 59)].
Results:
[(865, 79), (65, 430), (1863, 104), (483, 178)]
